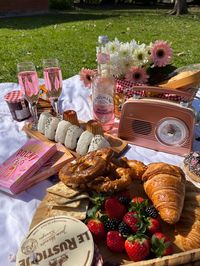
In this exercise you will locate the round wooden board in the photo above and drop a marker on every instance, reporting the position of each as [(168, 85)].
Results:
[(136, 189)]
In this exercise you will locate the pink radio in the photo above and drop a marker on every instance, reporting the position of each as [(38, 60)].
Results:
[(158, 124)]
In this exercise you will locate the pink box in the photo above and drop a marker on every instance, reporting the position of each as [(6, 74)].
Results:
[(17, 170)]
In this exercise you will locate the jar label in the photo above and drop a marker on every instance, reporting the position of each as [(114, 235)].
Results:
[(22, 114)]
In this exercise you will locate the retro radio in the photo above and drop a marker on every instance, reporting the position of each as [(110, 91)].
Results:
[(158, 124)]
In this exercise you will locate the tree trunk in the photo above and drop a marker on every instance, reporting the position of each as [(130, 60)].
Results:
[(180, 8)]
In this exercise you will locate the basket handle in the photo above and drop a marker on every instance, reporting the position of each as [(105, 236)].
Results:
[(181, 93)]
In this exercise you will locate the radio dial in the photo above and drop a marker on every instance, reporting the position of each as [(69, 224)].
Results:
[(172, 132)]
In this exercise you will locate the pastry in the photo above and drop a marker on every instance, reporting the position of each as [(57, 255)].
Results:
[(192, 166), (50, 127), (86, 168), (165, 186), (84, 142), (42, 121), (72, 136), (99, 171), (98, 142), (188, 228), (119, 179), (71, 116), (92, 128), (138, 168), (61, 131)]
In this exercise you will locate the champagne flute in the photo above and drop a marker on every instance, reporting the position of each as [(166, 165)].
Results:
[(53, 81), (29, 83)]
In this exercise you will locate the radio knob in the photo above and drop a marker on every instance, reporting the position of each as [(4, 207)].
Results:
[(170, 130)]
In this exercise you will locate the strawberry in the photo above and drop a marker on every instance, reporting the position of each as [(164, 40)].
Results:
[(115, 241), (137, 200), (97, 229), (153, 225), (114, 209), (138, 204), (161, 244), (137, 247), (133, 221)]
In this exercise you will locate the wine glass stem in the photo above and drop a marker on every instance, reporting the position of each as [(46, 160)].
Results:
[(34, 115), (55, 103)]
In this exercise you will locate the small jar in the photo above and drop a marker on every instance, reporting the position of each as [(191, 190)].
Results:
[(18, 106)]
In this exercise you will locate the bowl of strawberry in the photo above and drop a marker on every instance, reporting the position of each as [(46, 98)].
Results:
[(127, 226)]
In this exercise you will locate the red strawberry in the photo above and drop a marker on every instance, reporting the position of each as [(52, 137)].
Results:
[(133, 221), (115, 241), (153, 225), (114, 209), (138, 204), (161, 244), (137, 247), (137, 199), (97, 229)]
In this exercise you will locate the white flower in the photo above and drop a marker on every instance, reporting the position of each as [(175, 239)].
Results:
[(125, 50), (112, 47), (141, 56), (133, 45)]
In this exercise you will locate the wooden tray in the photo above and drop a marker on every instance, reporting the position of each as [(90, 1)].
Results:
[(178, 258), (118, 145)]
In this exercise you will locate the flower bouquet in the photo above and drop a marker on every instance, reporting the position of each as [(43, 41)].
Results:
[(133, 64)]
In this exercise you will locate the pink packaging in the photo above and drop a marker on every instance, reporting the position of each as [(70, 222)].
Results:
[(17, 170)]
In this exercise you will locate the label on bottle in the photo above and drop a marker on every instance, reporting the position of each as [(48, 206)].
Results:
[(103, 108)]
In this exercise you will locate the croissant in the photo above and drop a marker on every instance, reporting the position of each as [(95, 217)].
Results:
[(165, 186), (188, 227)]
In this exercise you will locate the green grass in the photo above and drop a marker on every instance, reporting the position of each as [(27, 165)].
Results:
[(71, 37)]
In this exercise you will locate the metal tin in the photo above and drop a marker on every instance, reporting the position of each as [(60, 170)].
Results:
[(59, 240)]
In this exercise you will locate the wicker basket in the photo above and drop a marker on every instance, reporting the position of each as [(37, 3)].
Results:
[(126, 90)]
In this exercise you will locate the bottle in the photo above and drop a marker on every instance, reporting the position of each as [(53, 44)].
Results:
[(103, 88)]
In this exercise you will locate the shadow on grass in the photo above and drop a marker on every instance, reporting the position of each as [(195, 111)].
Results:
[(37, 21), (58, 17)]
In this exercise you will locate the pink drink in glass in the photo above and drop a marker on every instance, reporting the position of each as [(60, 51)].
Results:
[(29, 84), (53, 81)]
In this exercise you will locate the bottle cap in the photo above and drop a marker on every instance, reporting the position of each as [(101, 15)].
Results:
[(71, 116), (94, 127), (103, 39)]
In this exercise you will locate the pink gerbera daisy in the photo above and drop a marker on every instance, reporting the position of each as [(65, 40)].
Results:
[(137, 75), (161, 53), (86, 75)]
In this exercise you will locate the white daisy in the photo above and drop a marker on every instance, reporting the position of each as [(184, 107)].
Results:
[(112, 47), (141, 56), (125, 50)]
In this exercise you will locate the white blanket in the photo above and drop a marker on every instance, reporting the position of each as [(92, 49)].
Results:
[(16, 212)]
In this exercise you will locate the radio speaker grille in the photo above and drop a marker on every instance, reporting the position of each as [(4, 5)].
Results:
[(141, 127)]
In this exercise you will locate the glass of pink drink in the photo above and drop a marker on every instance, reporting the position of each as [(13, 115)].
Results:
[(53, 81), (29, 84)]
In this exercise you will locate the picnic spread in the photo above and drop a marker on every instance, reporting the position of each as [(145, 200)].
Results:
[(108, 176)]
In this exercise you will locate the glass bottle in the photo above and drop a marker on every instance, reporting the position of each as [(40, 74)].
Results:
[(103, 88)]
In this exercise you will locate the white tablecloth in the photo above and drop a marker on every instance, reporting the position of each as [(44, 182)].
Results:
[(16, 212)]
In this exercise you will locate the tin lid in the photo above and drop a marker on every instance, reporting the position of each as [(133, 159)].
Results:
[(13, 96), (59, 240)]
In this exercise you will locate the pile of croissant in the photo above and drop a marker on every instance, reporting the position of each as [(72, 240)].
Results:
[(164, 184)]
